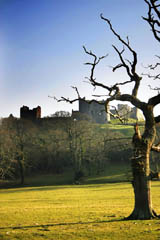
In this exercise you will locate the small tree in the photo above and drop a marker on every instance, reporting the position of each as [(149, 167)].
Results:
[(142, 143)]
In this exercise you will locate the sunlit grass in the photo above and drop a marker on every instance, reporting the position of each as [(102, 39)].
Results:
[(94, 211), (127, 130)]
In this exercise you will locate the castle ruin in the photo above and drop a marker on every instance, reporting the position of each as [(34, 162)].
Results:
[(96, 111), (31, 114)]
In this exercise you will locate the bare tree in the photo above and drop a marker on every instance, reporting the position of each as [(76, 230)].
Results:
[(143, 144)]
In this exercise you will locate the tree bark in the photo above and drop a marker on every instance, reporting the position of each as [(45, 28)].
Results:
[(142, 189), (141, 177)]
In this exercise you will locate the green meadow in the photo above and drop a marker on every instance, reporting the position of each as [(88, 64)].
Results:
[(92, 210), (126, 130)]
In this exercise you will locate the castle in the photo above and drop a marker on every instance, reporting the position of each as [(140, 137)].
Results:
[(26, 113), (96, 111)]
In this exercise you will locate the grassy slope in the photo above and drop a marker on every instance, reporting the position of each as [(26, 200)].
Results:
[(127, 130), (73, 212), (89, 211)]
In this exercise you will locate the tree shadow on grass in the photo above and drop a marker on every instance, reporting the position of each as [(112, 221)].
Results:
[(99, 187), (34, 185), (67, 178), (32, 189), (45, 226)]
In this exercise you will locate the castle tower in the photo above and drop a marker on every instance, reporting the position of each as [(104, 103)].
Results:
[(95, 110), (32, 114)]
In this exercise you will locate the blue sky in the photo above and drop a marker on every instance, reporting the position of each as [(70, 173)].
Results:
[(41, 50)]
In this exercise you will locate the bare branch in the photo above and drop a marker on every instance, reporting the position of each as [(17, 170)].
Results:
[(157, 119), (153, 18), (127, 44), (96, 61), (63, 99), (117, 66), (131, 68), (76, 89), (156, 147), (153, 67), (100, 95), (154, 100), (123, 83), (68, 100), (155, 89), (116, 114), (154, 77), (129, 62), (123, 64)]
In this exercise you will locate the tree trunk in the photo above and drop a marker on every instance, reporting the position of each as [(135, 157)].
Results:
[(141, 179), (21, 170), (142, 190)]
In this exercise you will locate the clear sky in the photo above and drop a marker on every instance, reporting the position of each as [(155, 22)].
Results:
[(41, 50)]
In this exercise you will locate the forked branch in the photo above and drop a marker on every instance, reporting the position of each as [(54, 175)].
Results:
[(93, 65), (153, 17), (126, 43), (153, 67), (131, 68)]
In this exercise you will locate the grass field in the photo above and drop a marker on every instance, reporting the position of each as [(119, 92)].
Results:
[(127, 130), (73, 212)]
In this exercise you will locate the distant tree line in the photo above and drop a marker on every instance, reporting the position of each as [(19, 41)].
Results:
[(54, 145)]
